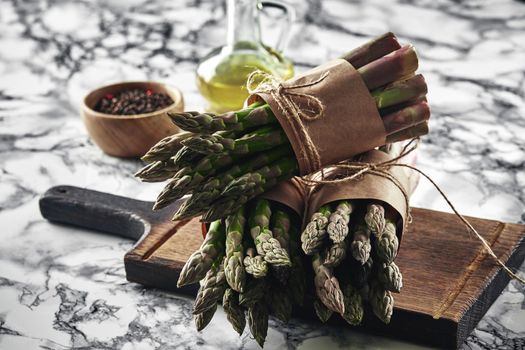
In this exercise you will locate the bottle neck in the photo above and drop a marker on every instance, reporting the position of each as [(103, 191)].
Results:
[(243, 22)]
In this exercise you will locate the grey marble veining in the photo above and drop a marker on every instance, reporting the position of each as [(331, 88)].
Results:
[(63, 288)]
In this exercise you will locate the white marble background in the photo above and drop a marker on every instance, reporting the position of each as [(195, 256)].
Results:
[(63, 288)]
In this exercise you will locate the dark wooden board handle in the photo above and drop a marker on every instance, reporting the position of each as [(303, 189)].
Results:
[(99, 211)]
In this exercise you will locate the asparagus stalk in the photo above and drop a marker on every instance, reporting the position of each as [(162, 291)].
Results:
[(255, 115), (360, 246), (335, 254), (202, 259), (406, 117), (356, 272), (212, 288), (234, 312), (262, 139), (255, 264), (204, 318), (387, 244), (322, 312), (210, 190), (233, 262), (267, 246), (253, 292), (191, 176), (258, 322), (382, 302), (408, 133), (337, 228), (250, 185), (375, 218), (157, 171), (400, 91), (372, 50), (389, 68), (280, 227), (297, 275), (327, 286), (280, 303), (186, 156), (353, 305), (315, 232), (390, 277), (166, 148)]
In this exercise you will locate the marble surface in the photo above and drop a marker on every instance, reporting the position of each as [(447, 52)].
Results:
[(63, 288)]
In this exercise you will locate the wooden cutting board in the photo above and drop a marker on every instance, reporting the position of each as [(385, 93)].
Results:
[(449, 282)]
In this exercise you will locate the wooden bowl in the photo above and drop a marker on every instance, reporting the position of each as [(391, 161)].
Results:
[(130, 135)]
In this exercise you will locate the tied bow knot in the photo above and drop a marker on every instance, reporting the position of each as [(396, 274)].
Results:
[(292, 104)]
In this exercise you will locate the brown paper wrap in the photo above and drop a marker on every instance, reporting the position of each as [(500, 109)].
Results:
[(330, 106), (291, 193), (368, 186)]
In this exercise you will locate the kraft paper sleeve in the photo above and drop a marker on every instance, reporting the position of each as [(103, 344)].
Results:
[(348, 125), (291, 193)]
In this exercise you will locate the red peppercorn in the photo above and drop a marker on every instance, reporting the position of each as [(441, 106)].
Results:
[(149, 92)]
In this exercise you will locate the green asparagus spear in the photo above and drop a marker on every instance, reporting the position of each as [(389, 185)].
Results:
[(390, 277), (315, 232), (372, 50), (356, 272), (250, 185), (262, 139), (266, 245), (327, 286), (280, 303), (166, 148), (389, 68), (280, 227), (360, 246), (417, 130), (258, 322), (212, 288), (335, 254), (185, 157), (191, 176), (375, 219), (322, 312), (337, 227), (253, 292), (157, 171), (297, 275), (204, 318), (382, 302), (400, 91), (353, 305), (255, 264), (233, 262), (211, 189), (234, 312), (202, 259), (387, 244), (255, 115)]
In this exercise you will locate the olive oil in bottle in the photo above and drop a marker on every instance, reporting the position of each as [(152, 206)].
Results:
[(222, 74)]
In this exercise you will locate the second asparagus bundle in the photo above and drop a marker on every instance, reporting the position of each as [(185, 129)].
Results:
[(236, 156), (252, 263), (353, 242)]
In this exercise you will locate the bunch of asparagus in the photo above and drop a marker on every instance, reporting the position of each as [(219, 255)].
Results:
[(251, 261), (233, 157), (353, 245)]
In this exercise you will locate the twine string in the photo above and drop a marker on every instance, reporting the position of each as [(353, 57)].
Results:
[(288, 102)]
